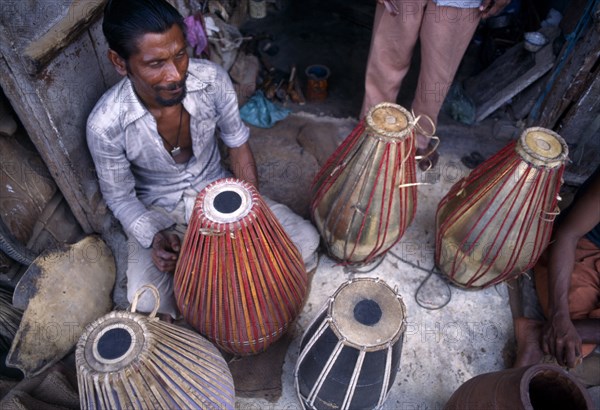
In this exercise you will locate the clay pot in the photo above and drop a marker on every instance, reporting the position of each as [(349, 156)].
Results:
[(541, 386)]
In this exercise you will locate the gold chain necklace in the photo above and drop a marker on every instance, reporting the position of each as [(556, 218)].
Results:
[(175, 149)]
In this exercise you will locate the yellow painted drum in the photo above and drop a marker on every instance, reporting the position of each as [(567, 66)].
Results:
[(365, 196), (494, 224)]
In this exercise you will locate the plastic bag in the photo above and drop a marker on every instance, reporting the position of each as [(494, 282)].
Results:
[(261, 112), (459, 105)]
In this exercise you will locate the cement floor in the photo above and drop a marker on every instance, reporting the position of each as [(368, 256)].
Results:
[(471, 334), (444, 347)]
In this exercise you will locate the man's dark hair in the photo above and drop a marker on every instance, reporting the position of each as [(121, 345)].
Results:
[(125, 21)]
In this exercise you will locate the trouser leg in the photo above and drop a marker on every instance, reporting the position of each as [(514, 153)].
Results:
[(392, 44), (445, 35)]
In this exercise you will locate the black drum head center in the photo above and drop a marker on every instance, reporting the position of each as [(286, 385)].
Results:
[(114, 343), (367, 312), (227, 202)]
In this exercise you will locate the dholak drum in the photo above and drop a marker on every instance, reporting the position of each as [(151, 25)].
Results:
[(240, 280), (129, 360), (493, 224), (365, 196), (350, 354)]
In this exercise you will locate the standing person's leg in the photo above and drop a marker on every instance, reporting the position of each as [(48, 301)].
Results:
[(445, 34), (392, 44)]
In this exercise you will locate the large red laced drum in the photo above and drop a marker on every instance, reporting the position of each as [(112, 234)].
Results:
[(494, 224), (365, 196), (240, 280)]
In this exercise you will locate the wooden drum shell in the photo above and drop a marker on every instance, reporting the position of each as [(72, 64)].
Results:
[(240, 282), (494, 224), (160, 366), (365, 197), (335, 371)]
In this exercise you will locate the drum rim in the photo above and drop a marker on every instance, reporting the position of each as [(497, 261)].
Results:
[(539, 160), (87, 345), (242, 188), (374, 347), (390, 135)]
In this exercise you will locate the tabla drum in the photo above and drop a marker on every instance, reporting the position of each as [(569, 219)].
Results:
[(494, 224), (365, 195), (129, 360), (240, 280), (350, 353)]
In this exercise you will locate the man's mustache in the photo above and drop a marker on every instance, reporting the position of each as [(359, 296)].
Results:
[(171, 86)]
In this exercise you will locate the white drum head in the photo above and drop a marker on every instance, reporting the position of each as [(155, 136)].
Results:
[(367, 313), (227, 201)]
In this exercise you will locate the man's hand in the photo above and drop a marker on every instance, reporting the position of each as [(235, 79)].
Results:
[(561, 340), (165, 251), (490, 8)]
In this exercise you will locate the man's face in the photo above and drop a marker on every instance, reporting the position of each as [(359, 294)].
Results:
[(159, 68)]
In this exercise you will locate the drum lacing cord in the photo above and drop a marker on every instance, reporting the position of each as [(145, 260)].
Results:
[(430, 272), (214, 232), (431, 136), (356, 270)]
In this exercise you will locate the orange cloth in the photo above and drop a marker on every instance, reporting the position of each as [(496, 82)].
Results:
[(584, 293)]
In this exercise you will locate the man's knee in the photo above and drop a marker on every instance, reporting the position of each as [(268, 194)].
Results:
[(303, 233)]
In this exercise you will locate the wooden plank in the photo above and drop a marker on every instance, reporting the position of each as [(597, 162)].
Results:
[(79, 16), (583, 113), (109, 74), (581, 129), (573, 79), (42, 125), (513, 63), (510, 74)]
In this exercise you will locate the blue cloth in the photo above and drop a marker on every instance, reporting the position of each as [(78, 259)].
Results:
[(261, 112)]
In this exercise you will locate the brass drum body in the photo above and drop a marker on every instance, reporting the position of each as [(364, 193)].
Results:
[(493, 224), (240, 280), (365, 196), (350, 353), (129, 360)]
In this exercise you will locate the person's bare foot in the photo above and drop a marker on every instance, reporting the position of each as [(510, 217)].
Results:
[(528, 333)]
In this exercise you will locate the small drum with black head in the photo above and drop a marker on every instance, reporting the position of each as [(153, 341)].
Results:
[(350, 354)]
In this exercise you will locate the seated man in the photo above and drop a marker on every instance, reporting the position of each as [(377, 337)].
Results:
[(152, 139), (568, 284)]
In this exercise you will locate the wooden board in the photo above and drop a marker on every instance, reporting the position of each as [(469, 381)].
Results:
[(581, 125), (77, 19), (574, 77), (510, 74)]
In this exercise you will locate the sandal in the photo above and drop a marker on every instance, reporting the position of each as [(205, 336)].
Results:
[(473, 160)]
